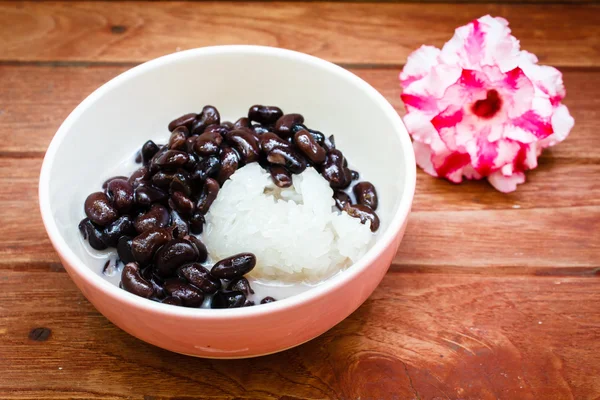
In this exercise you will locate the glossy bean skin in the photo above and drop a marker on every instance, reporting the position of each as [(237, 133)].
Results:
[(99, 209), (139, 176), (172, 300), (288, 158), (266, 115), (234, 267), (227, 124), (146, 195), (189, 295), (124, 249), (242, 123), (333, 170), (200, 277), (309, 147), (120, 227), (228, 300), (185, 120), (156, 283), (172, 255), (270, 141), (132, 281), (341, 199), (197, 223), (208, 116), (267, 299), (329, 143), (229, 161), (245, 143), (92, 234), (241, 285), (149, 149), (220, 129), (181, 182), (178, 138), (284, 125), (202, 251), (179, 227), (260, 129), (192, 161), (207, 168), (210, 190), (145, 244), (249, 303), (120, 193), (182, 204), (366, 194), (363, 213), (106, 182), (170, 159), (281, 176), (207, 144), (156, 217), (163, 179)]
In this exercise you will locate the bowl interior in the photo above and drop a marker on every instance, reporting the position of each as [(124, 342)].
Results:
[(111, 124)]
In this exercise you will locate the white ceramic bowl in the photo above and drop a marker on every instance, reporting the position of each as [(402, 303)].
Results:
[(115, 120)]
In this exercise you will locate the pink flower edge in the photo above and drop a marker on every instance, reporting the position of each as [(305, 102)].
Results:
[(481, 107)]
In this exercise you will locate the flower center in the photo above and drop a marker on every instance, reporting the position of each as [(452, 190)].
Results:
[(489, 106)]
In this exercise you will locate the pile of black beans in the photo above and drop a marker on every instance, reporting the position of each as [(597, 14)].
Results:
[(152, 216)]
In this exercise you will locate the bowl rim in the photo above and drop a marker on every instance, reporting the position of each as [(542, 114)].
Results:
[(384, 239)]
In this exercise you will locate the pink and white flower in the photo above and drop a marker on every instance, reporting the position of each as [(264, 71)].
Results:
[(481, 106)]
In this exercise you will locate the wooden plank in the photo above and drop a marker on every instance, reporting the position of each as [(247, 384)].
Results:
[(354, 33), (35, 100), (419, 336), (551, 222)]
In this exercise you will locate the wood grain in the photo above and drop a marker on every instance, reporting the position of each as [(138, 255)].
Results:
[(385, 33), (419, 336), (35, 100)]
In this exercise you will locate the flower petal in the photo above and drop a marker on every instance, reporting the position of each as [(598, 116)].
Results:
[(506, 184), (419, 64)]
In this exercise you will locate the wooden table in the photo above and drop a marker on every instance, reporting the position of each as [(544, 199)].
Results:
[(491, 296)]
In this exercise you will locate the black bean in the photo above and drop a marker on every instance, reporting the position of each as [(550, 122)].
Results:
[(267, 299), (309, 147), (190, 142), (210, 190), (249, 303), (294, 162), (139, 176), (99, 209), (149, 149), (229, 161), (341, 199), (208, 116), (220, 129), (156, 283), (122, 226), (333, 170), (227, 124), (124, 249), (355, 175), (241, 285), (178, 138), (163, 179), (208, 143), (197, 223), (106, 182), (234, 267), (132, 281), (228, 300), (146, 195), (192, 160), (242, 123), (181, 182), (92, 234), (189, 295), (179, 226), (156, 217), (207, 167), (270, 141), (182, 204), (363, 213), (200, 277), (318, 136), (170, 159), (202, 252), (185, 120), (366, 194), (281, 176), (260, 129), (283, 126), (145, 244), (120, 193), (172, 255), (138, 157), (329, 143), (246, 144), (264, 114), (172, 300)]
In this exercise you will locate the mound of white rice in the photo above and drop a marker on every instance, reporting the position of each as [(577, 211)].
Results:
[(294, 233)]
